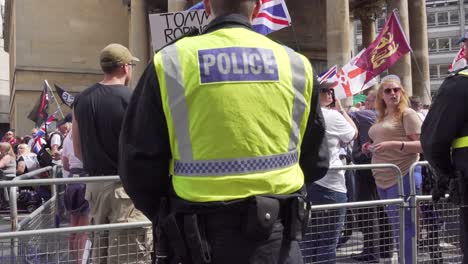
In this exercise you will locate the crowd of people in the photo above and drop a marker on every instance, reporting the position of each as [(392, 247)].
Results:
[(236, 174)]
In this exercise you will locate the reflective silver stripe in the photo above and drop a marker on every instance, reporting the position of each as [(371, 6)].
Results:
[(225, 167), (299, 104), (177, 102)]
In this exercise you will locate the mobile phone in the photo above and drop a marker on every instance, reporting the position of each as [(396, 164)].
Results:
[(333, 103)]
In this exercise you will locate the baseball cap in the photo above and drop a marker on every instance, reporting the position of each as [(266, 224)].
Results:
[(462, 39), (115, 54), (67, 119)]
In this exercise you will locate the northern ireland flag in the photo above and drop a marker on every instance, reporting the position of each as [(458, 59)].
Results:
[(459, 61), (351, 79)]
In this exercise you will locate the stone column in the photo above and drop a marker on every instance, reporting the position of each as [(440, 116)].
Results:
[(177, 5), (139, 43), (402, 67), (368, 26), (418, 40), (461, 7), (338, 36), (367, 17)]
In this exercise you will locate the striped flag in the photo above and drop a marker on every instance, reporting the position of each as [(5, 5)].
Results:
[(459, 61), (199, 6), (351, 79), (39, 143), (39, 112), (328, 75), (42, 130), (273, 16)]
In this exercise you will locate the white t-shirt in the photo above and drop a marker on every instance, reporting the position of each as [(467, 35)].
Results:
[(337, 130), (55, 140), (421, 115), (68, 152)]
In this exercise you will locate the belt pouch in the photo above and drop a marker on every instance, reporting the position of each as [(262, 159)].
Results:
[(261, 215), (298, 218)]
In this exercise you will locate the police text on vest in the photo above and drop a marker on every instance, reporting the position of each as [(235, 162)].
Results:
[(237, 64)]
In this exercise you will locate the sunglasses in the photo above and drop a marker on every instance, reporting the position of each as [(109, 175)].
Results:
[(327, 91), (389, 90)]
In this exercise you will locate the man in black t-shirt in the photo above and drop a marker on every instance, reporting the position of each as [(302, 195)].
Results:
[(98, 112)]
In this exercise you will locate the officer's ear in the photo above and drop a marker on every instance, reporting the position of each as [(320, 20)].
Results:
[(256, 11), (207, 4)]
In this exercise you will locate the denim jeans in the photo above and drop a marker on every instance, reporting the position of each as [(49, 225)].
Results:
[(320, 240), (393, 211)]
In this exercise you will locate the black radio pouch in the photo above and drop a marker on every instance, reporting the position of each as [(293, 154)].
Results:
[(260, 217), (298, 218)]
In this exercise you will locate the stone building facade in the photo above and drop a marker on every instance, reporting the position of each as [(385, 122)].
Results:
[(60, 40)]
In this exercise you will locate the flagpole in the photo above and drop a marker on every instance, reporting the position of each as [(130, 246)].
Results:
[(55, 98), (421, 75), (298, 48)]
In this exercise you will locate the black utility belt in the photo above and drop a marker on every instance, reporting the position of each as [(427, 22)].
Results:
[(255, 217)]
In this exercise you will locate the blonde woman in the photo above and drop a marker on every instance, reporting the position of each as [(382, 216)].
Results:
[(395, 139), (26, 161), (7, 169)]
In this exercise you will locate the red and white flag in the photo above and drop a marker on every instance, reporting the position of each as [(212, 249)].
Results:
[(351, 79), (459, 61)]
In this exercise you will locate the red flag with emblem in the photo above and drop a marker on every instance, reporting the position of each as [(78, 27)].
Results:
[(389, 46)]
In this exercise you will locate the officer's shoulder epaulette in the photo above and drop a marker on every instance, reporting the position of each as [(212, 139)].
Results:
[(194, 31), (462, 72)]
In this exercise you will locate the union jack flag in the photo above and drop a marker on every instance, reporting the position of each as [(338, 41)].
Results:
[(328, 75), (42, 130), (273, 16), (38, 144)]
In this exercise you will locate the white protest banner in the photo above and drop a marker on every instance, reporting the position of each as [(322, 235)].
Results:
[(166, 27)]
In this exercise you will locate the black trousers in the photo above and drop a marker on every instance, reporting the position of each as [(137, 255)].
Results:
[(224, 243), (228, 244)]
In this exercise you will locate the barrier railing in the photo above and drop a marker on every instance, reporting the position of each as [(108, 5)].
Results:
[(437, 238), (325, 216), (324, 219), (51, 245)]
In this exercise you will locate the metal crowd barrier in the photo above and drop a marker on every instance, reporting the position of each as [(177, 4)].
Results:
[(37, 238), (325, 217), (438, 236), (436, 239)]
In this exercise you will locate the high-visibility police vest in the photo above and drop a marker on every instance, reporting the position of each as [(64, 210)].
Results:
[(236, 105)]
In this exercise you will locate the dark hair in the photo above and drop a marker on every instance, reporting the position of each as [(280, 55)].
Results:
[(110, 69), (26, 139), (223, 7)]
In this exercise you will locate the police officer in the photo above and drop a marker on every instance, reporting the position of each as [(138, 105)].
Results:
[(225, 124), (444, 140)]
